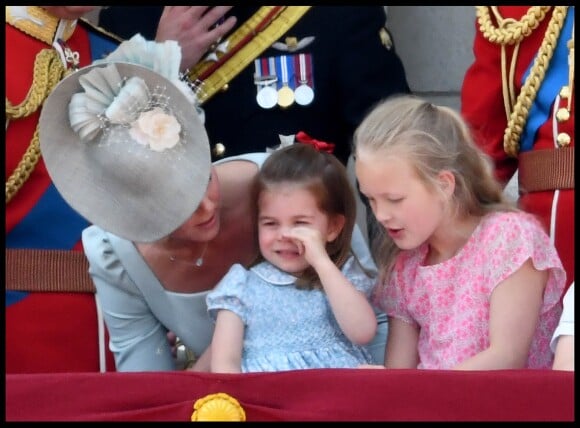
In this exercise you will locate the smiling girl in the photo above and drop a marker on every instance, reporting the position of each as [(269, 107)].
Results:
[(306, 304)]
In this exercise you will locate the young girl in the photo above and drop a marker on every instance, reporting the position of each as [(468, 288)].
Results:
[(306, 304), (468, 281)]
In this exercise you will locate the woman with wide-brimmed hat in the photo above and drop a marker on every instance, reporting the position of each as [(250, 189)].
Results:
[(127, 149)]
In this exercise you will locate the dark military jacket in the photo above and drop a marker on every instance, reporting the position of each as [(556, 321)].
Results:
[(353, 67)]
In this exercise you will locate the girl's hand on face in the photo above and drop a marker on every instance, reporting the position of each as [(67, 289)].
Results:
[(310, 243)]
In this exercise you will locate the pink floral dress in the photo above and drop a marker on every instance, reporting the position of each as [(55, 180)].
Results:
[(450, 301)]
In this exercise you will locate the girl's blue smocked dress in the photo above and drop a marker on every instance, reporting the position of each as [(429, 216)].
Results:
[(287, 328)]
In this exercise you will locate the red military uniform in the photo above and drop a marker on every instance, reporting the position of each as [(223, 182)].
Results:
[(45, 331), (537, 111)]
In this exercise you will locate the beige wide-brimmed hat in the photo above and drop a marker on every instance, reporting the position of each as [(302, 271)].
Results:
[(126, 149)]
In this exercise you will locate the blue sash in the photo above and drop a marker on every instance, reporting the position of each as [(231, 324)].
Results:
[(556, 76), (50, 224), (101, 45)]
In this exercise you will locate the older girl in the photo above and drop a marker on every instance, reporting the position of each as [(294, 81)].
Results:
[(468, 281)]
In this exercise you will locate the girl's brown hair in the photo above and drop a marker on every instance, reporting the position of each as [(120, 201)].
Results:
[(326, 178)]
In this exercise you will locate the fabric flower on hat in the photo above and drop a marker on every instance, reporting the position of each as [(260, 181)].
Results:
[(156, 129), (108, 101)]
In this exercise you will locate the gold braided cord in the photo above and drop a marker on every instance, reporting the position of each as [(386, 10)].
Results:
[(532, 84), (515, 31), (24, 168), (507, 82), (511, 77), (48, 70), (570, 46)]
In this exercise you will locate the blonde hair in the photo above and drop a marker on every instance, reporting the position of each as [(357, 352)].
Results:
[(434, 139)]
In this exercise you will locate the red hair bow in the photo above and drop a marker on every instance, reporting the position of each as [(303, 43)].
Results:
[(321, 146)]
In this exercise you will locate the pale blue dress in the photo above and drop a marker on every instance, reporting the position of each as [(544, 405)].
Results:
[(286, 328), (138, 311)]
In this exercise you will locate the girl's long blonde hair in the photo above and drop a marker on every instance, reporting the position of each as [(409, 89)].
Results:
[(433, 138)]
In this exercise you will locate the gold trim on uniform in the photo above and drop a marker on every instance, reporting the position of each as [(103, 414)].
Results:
[(219, 150), (48, 70), (562, 114), (563, 139), (385, 38), (565, 92), (259, 43), (510, 31), (38, 23), (291, 42)]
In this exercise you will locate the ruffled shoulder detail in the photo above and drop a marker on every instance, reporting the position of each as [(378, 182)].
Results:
[(229, 292), (511, 238), (104, 261)]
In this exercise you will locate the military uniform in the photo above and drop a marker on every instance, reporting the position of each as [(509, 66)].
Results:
[(46, 331), (347, 60), (522, 109)]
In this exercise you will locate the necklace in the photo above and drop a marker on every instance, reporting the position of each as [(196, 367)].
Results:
[(198, 262)]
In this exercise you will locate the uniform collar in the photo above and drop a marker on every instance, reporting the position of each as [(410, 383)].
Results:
[(38, 23), (272, 274)]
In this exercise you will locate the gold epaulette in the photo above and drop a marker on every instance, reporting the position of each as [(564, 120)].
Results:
[(260, 41), (38, 23)]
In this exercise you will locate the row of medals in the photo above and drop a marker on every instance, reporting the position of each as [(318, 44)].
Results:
[(269, 95)]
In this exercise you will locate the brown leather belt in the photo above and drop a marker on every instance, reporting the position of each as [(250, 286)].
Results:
[(46, 271), (548, 169)]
